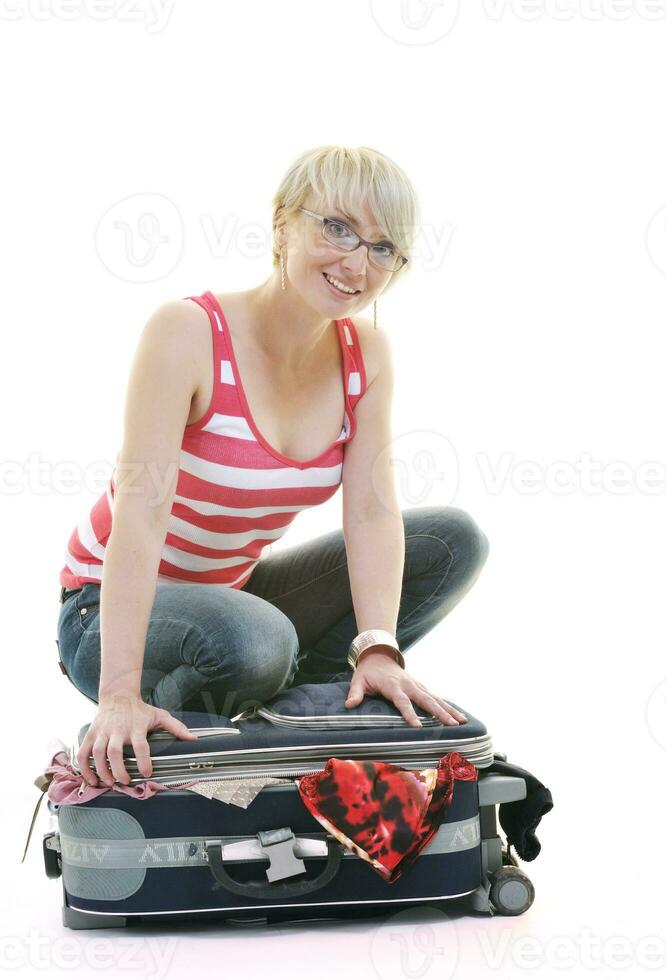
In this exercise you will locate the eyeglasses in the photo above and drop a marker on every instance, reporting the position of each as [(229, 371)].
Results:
[(382, 254)]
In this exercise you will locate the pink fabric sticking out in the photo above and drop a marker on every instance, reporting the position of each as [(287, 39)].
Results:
[(68, 786)]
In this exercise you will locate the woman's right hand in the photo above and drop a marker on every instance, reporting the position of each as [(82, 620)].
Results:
[(121, 720)]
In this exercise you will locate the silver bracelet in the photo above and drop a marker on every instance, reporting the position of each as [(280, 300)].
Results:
[(370, 638)]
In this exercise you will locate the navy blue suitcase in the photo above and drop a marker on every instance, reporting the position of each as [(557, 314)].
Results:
[(181, 855)]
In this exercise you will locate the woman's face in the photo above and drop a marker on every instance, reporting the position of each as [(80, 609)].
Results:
[(311, 261)]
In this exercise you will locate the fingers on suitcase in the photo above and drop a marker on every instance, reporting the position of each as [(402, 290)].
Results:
[(174, 726), (83, 759)]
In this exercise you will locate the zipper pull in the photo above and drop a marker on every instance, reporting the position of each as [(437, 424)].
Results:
[(247, 713)]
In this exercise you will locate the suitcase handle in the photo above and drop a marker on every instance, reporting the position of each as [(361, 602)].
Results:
[(290, 865)]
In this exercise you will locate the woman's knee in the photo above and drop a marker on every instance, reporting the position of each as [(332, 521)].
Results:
[(198, 639), (457, 539), (257, 653), (472, 540), (231, 651)]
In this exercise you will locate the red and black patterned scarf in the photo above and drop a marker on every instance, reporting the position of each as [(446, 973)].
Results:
[(383, 813)]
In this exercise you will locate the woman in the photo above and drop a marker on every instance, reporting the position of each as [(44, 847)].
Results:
[(232, 426)]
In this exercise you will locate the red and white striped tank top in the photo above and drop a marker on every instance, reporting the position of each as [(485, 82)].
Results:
[(235, 494)]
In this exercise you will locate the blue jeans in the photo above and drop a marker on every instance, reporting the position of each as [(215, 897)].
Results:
[(220, 650)]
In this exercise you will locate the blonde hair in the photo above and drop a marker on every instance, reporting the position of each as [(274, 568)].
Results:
[(342, 177)]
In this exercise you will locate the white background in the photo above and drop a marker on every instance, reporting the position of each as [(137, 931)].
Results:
[(530, 332)]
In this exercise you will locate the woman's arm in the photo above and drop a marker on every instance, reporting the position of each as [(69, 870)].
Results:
[(375, 543), (162, 382), (372, 519), (375, 559)]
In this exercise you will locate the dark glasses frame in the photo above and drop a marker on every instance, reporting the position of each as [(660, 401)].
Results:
[(361, 241)]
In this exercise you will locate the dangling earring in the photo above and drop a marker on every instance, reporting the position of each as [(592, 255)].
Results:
[(375, 308), (282, 267)]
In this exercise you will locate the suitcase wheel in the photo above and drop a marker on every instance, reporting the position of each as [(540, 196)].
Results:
[(511, 891)]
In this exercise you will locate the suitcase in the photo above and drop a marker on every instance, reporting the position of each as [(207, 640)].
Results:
[(179, 854)]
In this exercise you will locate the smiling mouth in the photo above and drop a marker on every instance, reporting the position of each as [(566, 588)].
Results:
[(340, 291)]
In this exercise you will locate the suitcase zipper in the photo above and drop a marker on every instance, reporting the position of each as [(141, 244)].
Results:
[(331, 721), (220, 770), (341, 721), (250, 774), (201, 732), (282, 774), (291, 774)]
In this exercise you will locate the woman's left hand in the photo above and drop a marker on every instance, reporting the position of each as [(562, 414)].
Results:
[(379, 673)]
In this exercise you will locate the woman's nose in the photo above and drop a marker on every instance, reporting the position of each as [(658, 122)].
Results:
[(356, 262)]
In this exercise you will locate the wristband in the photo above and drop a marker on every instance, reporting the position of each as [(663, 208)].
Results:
[(370, 638)]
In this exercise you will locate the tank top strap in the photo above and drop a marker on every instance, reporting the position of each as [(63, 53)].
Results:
[(355, 380), (207, 302), (225, 397)]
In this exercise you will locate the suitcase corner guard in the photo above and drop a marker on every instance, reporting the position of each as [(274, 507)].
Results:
[(278, 847)]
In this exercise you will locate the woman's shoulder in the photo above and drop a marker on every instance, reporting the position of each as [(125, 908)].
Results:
[(176, 319), (179, 328)]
